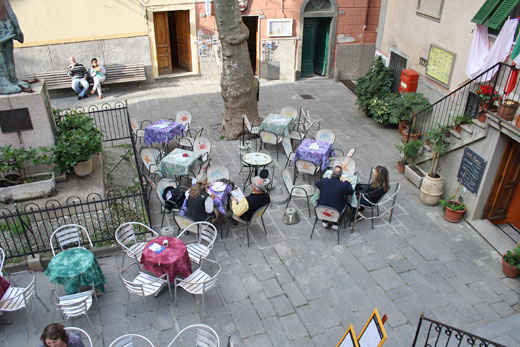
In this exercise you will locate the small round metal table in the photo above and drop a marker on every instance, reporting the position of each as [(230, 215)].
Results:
[(255, 160)]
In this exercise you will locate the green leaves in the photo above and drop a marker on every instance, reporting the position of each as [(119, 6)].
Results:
[(376, 83), (16, 160)]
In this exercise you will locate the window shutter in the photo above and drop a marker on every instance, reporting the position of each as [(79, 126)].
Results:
[(485, 11), (499, 17)]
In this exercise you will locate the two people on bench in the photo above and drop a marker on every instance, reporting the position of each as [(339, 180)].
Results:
[(79, 77)]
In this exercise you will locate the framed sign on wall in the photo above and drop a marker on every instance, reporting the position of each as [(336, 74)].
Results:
[(440, 65), (279, 27)]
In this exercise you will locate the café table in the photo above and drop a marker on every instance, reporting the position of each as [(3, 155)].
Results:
[(253, 161), (315, 151), (277, 124), (220, 200), (162, 131), (73, 267), (178, 162), (173, 259)]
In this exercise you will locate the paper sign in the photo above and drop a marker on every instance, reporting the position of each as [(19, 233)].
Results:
[(349, 339), (156, 247), (373, 334)]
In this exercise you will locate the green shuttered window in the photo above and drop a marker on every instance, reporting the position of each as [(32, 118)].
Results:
[(485, 11), (498, 18)]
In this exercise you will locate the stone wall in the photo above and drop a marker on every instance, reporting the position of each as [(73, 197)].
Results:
[(352, 61)]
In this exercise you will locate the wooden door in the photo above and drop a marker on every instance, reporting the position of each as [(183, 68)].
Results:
[(162, 42), (322, 47), (505, 183), (310, 27), (182, 24)]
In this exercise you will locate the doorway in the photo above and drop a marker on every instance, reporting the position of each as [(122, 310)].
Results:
[(315, 47), (172, 41), (251, 23), (398, 62)]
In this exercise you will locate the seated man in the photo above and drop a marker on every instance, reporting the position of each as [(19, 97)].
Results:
[(333, 191), (248, 206), (79, 76)]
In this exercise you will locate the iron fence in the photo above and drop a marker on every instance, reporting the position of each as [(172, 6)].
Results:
[(434, 333)]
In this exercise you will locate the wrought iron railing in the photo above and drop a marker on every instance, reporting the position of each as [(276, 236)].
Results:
[(431, 333)]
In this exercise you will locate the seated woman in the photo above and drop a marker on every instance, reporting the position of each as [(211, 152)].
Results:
[(55, 335), (374, 191), (98, 74), (199, 203)]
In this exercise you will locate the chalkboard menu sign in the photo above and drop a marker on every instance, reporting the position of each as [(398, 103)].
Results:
[(471, 170)]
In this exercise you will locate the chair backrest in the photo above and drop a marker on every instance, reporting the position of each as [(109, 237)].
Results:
[(351, 152), (125, 233), (213, 279), (81, 333), (75, 304), (217, 172), (159, 188), (326, 135), (205, 336), (287, 146), (134, 125), (269, 137), (199, 134), (289, 111), (259, 213), (27, 295), (183, 117), (247, 123), (2, 259), (287, 180), (202, 145), (149, 156), (128, 340), (347, 164), (207, 232), (327, 213), (67, 234), (184, 223), (305, 166)]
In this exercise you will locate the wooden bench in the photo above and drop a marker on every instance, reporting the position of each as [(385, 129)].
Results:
[(116, 73)]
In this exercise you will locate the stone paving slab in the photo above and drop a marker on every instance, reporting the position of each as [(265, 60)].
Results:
[(288, 290)]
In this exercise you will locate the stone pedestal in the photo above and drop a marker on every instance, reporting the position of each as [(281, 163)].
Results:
[(39, 108)]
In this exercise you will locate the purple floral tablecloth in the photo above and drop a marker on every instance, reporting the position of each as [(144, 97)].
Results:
[(162, 131), (317, 152), (220, 201)]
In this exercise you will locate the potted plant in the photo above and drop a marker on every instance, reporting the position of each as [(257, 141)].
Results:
[(432, 185), (459, 120), (77, 142), (511, 263), (488, 95), (410, 152), (507, 109), (453, 210)]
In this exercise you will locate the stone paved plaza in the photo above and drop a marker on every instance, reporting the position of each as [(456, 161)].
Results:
[(288, 290)]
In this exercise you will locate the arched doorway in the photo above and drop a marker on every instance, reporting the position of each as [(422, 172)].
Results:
[(317, 30)]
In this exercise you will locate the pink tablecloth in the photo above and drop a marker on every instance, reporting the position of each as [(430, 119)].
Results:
[(3, 286), (173, 260)]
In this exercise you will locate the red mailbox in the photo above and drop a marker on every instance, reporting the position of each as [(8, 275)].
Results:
[(409, 80)]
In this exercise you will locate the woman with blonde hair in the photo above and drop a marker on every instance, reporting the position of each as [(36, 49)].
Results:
[(199, 202)]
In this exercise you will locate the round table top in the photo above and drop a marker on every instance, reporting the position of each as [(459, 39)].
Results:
[(70, 262), (171, 254), (257, 159)]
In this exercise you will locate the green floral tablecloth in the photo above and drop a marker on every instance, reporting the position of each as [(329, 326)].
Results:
[(177, 163), (278, 124), (71, 265)]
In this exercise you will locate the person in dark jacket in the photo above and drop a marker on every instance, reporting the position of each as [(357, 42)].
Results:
[(333, 193), (373, 192), (199, 203), (247, 207)]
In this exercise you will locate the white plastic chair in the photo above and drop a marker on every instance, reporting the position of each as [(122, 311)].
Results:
[(300, 191), (127, 239), (16, 298), (67, 234), (202, 146), (138, 129), (150, 158), (289, 111), (200, 281), (205, 336), (259, 213), (217, 172), (128, 340), (305, 167), (159, 189), (184, 117), (200, 248), (74, 305), (328, 214), (188, 140), (81, 333), (287, 148), (144, 284), (326, 135), (268, 137)]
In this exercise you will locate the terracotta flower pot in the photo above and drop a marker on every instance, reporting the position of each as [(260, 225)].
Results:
[(482, 117), (458, 129), (413, 136), (403, 124), (453, 216), (400, 167), (507, 109), (509, 270)]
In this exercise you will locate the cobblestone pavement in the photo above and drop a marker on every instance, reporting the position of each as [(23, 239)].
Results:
[(288, 290)]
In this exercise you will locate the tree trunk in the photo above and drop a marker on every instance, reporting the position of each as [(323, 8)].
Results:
[(239, 85)]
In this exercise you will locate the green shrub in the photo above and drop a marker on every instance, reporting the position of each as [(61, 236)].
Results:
[(410, 151), (513, 257), (376, 83), (16, 160)]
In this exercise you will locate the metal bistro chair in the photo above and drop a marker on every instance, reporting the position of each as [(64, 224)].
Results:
[(202, 146), (251, 130), (159, 189), (184, 117), (217, 172), (305, 167), (205, 336), (200, 249), (347, 164), (2, 259), (268, 137), (326, 135), (386, 203), (81, 334), (127, 239), (189, 139), (150, 158), (328, 214), (144, 284), (300, 191), (128, 340), (288, 150), (301, 128), (259, 213), (138, 129), (67, 234), (200, 281), (16, 298), (289, 111), (74, 305)]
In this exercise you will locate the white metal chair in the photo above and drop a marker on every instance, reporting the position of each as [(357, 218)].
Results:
[(202, 146), (328, 214), (268, 137), (301, 128), (288, 150), (305, 167), (144, 284), (184, 117), (259, 213), (16, 298), (81, 333), (326, 135), (138, 129), (289, 111), (150, 157), (68, 234), (128, 340), (217, 172), (200, 249), (126, 237), (159, 189), (386, 204), (205, 336), (2, 259), (347, 164), (300, 191), (74, 305), (200, 281), (188, 140)]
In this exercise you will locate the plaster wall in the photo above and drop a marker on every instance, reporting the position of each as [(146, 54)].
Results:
[(352, 61)]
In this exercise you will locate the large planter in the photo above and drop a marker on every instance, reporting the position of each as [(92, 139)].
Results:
[(400, 167), (431, 190), (414, 174), (403, 124), (482, 117), (453, 216), (509, 270), (413, 136), (31, 190), (507, 109), (83, 168)]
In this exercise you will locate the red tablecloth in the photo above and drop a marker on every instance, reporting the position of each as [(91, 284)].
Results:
[(173, 260), (3, 286)]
